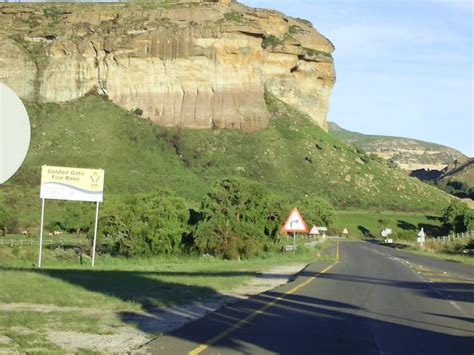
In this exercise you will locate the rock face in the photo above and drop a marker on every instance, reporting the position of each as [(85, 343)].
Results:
[(408, 154), (192, 64)]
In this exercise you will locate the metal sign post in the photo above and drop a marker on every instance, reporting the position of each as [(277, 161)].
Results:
[(95, 234), (294, 242), (41, 233)]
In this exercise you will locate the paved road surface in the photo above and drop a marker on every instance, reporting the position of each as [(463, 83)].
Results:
[(374, 300)]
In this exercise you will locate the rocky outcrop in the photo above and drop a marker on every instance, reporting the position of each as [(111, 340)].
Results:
[(408, 154), (193, 64)]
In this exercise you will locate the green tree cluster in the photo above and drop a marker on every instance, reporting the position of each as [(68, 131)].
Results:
[(8, 220), (316, 210), (145, 224), (458, 217), (239, 219)]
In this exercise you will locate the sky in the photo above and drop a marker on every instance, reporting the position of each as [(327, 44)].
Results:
[(404, 67)]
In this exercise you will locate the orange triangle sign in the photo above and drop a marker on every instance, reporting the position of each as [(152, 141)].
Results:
[(314, 230), (294, 223)]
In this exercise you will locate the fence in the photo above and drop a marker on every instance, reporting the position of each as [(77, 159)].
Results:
[(452, 237), (31, 242)]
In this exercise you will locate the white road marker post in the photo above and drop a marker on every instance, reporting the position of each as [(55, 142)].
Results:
[(41, 233)]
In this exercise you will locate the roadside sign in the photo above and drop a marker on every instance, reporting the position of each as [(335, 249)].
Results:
[(295, 223), (421, 236), (345, 231), (314, 230), (73, 184), (386, 232)]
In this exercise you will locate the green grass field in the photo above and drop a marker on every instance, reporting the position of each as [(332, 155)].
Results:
[(67, 296), (404, 225)]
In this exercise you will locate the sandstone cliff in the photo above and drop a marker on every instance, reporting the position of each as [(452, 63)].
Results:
[(189, 64)]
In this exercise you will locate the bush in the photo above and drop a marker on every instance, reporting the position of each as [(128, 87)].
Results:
[(145, 224), (239, 219), (78, 217), (458, 217), (8, 221), (316, 210)]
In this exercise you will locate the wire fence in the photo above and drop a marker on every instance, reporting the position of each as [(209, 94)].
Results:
[(452, 237), (30, 242)]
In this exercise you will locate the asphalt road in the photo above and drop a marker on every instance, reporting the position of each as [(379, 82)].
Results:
[(374, 300)]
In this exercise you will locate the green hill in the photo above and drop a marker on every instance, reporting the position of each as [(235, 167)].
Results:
[(459, 180), (409, 154), (292, 157)]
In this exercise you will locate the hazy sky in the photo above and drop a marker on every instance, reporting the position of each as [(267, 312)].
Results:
[(404, 67)]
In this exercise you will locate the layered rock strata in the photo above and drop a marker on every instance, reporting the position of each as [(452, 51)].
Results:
[(191, 64)]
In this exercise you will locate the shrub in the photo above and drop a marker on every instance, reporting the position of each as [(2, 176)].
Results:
[(145, 224), (239, 219), (8, 221), (78, 217), (316, 210), (234, 16), (137, 111), (271, 41), (458, 217)]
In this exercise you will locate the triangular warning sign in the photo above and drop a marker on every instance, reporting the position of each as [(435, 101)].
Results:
[(314, 230), (294, 222), (345, 231)]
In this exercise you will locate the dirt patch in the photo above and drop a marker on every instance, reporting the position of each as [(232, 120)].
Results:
[(123, 340), (5, 340), (46, 308)]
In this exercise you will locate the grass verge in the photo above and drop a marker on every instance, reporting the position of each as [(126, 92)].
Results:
[(85, 300)]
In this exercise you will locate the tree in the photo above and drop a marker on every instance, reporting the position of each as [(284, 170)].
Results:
[(145, 224), (458, 217), (8, 221), (316, 210), (239, 219)]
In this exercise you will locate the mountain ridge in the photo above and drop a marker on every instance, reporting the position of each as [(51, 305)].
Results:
[(409, 154)]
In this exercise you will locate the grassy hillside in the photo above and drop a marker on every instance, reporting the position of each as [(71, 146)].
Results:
[(459, 181), (292, 157), (403, 151)]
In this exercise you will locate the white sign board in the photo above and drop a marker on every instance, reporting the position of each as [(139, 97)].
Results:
[(294, 223), (421, 236), (74, 184), (345, 231), (386, 232), (314, 231)]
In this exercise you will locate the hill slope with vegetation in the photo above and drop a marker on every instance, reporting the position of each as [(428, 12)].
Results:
[(459, 180), (292, 158), (409, 154)]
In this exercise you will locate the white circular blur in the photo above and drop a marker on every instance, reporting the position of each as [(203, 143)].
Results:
[(14, 133)]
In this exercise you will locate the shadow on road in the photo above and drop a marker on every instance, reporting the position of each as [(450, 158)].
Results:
[(455, 291), (299, 324)]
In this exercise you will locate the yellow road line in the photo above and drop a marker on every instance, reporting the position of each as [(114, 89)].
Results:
[(251, 316), (449, 280), (458, 276)]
